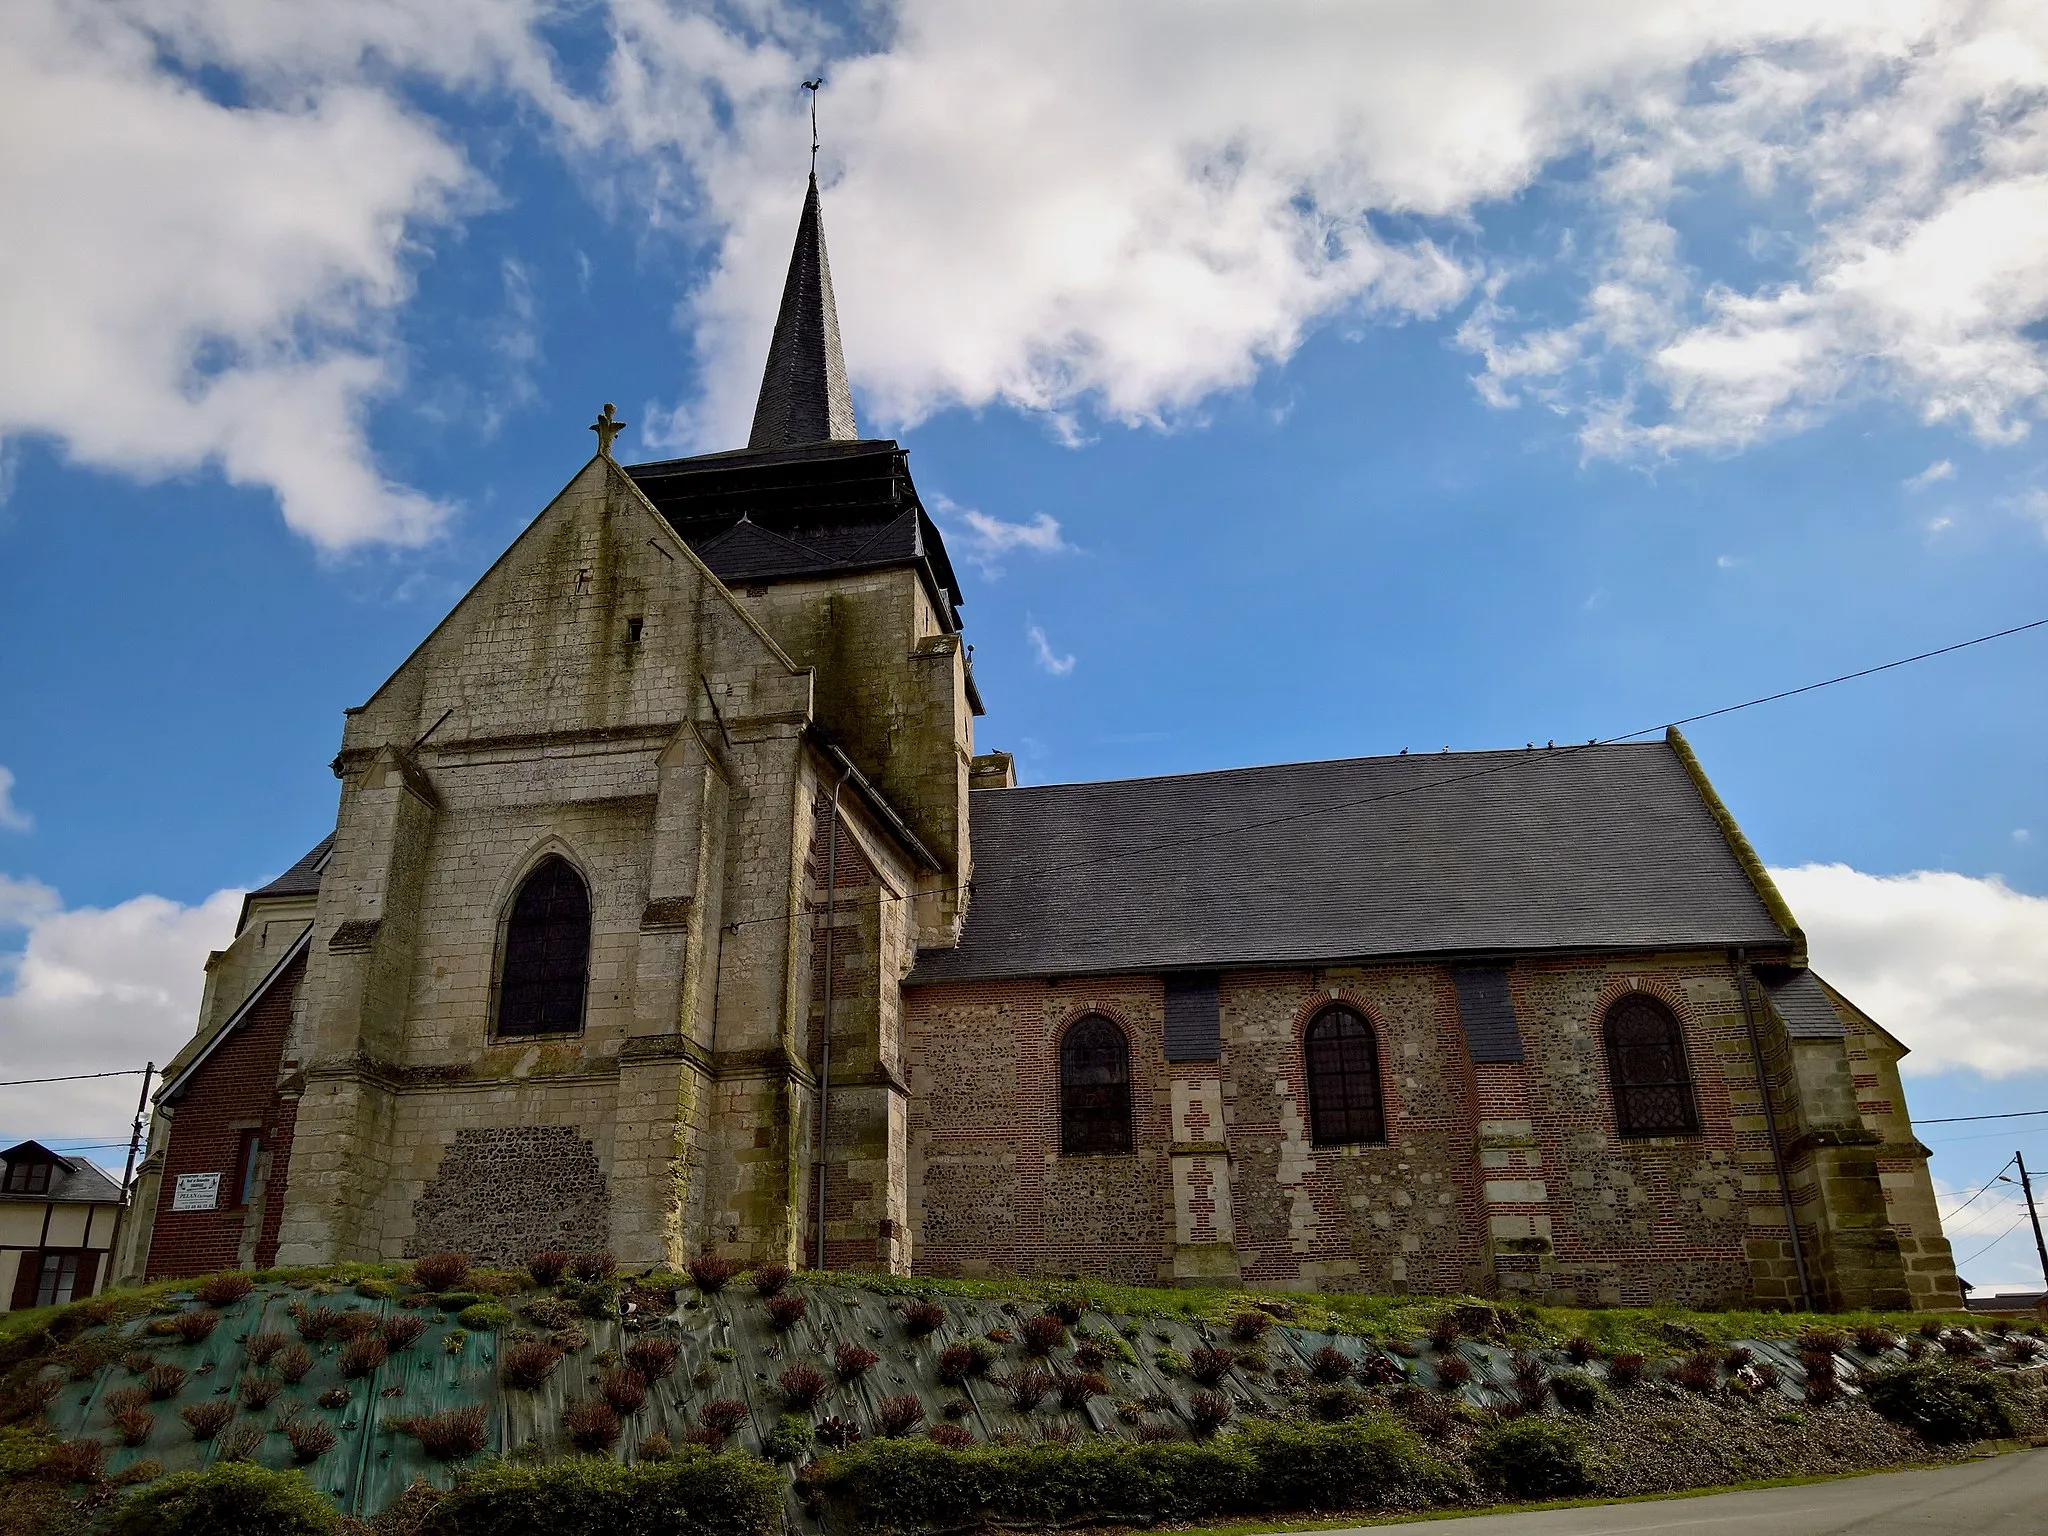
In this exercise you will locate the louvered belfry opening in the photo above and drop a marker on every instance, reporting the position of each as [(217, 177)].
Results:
[(547, 953), (1647, 1071), (1095, 1088), (1343, 1062)]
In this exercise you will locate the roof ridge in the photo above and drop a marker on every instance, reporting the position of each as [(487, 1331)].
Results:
[(1327, 762)]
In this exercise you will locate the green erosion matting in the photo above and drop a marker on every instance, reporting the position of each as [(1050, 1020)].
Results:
[(728, 1339)]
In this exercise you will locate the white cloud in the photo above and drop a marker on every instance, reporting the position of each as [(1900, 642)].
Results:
[(2022, 835), (23, 901), (1940, 469), (1043, 653), (1155, 204), (97, 990), (187, 284), (1954, 966), (1092, 212), (12, 817), (988, 539)]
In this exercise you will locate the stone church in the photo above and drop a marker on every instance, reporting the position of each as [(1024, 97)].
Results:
[(669, 907)]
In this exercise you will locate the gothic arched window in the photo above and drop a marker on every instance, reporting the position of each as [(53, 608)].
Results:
[(1095, 1087), (1343, 1063), (1646, 1069), (547, 953)]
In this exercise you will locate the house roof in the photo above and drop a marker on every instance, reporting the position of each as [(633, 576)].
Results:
[(1466, 853), (804, 398), (75, 1182)]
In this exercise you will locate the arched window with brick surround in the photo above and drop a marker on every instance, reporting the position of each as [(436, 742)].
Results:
[(1095, 1088), (1646, 1069), (547, 953), (1342, 1061)]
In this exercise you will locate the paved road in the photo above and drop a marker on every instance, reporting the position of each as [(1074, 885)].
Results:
[(2000, 1496)]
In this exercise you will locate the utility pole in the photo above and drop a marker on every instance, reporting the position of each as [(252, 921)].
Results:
[(2027, 1189), (127, 1176)]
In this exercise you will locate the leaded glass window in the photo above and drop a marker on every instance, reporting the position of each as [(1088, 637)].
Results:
[(1343, 1062), (1646, 1070), (547, 953), (1095, 1088)]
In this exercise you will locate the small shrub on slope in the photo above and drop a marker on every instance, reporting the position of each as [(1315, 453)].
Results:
[(225, 1289), (440, 1271), (653, 1358), (850, 1362), (208, 1418), (590, 1424)]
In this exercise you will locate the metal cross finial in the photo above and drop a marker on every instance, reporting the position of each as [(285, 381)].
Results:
[(814, 86), (607, 426)]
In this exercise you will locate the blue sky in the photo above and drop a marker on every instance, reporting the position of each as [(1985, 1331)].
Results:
[(1313, 389)]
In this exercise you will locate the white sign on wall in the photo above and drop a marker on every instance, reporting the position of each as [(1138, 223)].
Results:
[(196, 1192)]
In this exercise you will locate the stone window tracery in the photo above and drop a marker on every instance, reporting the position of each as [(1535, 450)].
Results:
[(1343, 1069), (1095, 1088), (547, 953), (1646, 1069)]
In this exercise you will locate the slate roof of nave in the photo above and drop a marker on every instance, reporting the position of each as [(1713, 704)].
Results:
[(1475, 853)]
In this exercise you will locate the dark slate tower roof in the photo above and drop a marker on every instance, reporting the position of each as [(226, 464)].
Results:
[(804, 398), (805, 498), (799, 514)]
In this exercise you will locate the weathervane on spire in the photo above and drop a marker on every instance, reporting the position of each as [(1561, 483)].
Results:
[(814, 86), (607, 426)]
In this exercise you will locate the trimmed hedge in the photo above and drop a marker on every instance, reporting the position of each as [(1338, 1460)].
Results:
[(1533, 1458), (235, 1498), (915, 1485), (1940, 1402), (696, 1494)]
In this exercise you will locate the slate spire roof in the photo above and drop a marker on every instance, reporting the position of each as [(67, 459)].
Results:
[(804, 398)]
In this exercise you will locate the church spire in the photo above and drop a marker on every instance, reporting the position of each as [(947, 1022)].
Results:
[(804, 398)]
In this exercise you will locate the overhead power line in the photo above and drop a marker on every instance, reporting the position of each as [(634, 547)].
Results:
[(73, 1077), (2008, 1232), (1952, 1215), (1509, 762), (2013, 1114)]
